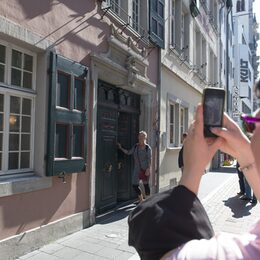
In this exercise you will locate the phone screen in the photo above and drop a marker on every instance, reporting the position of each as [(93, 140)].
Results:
[(213, 108)]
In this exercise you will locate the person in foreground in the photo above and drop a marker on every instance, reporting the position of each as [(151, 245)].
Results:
[(174, 224)]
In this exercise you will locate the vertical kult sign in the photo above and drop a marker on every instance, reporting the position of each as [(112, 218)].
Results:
[(242, 82)]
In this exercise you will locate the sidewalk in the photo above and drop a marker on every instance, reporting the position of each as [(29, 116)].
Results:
[(108, 238)]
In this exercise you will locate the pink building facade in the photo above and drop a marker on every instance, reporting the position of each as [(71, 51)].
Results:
[(76, 77)]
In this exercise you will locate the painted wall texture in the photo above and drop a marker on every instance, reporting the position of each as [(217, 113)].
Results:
[(26, 211), (75, 28), (168, 155)]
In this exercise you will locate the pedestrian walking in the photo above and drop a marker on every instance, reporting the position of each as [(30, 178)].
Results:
[(240, 181), (183, 229), (142, 153), (245, 189)]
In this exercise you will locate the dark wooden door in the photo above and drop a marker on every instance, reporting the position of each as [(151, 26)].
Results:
[(127, 136), (117, 121), (124, 171), (106, 163)]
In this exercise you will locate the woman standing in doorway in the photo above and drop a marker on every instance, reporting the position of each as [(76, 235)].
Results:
[(142, 162)]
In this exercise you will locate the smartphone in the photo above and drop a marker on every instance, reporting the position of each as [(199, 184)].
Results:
[(213, 108)]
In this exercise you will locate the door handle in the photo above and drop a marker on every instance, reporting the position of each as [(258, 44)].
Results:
[(108, 167), (119, 165)]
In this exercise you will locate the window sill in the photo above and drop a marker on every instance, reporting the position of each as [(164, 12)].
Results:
[(11, 185)]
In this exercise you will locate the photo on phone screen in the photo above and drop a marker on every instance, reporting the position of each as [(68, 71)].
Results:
[(213, 107)]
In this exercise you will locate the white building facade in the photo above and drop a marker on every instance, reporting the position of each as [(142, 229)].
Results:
[(189, 64), (244, 51)]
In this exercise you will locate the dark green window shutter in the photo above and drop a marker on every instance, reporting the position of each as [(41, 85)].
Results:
[(67, 117), (157, 22)]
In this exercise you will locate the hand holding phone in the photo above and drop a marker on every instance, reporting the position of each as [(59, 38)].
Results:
[(213, 108)]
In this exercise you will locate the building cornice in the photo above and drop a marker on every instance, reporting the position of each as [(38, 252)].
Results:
[(26, 36)]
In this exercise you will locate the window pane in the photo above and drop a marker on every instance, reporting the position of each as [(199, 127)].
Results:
[(1, 142), (13, 161), (154, 26), (26, 124), (79, 94), (2, 53), (160, 33), (154, 5), (135, 14), (171, 134), (16, 59), (16, 77), (0, 161), (63, 90), (1, 122), (171, 113), (27, 103), (13, 142), (25, 160), (78, 141), (14, 123), (27, 80), (160, 9), (1, 103), (28, 62), (172, 124), (115, 6), (15, 105), (25, 142), (2, 73), (61, 141)]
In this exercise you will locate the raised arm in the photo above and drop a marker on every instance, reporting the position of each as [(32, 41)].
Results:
[(197, 152), (125, 151), (236, 143)]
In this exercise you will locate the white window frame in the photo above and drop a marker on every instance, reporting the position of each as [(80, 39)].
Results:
[(182, 30), (6, 131), (8, 66), (182, 120), (177, 105), (172, 25), (124, 15), (203, 56), (198, 53), (115, 4), (171, 125), (9, 90), (135, 23), (4, 64)]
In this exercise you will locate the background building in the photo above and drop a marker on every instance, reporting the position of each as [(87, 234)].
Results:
[(189, 64), (244, 50)]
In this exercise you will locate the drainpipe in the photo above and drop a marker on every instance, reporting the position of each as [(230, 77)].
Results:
[(229, 7), (220, 11), (159, 119), (216, 159)]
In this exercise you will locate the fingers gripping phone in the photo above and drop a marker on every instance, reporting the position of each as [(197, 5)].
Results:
[(213, 108)]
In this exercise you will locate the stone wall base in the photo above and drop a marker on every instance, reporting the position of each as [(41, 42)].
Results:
[(31, 240)]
